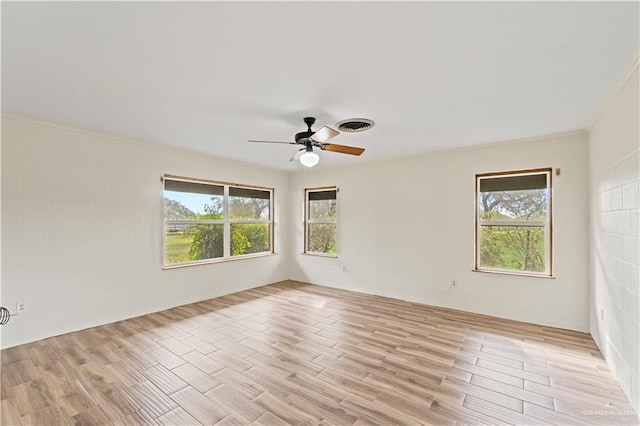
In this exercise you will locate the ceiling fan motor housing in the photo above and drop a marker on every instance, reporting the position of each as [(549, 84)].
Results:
[(302, 136)]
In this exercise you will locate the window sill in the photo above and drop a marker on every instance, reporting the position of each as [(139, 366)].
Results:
[(214, 261), (331, 256), (517, 274)]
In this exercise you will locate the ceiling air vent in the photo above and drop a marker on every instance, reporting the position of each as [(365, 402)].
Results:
[(355, 125)]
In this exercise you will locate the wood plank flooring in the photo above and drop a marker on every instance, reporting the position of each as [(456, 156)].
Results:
[(291, 353)]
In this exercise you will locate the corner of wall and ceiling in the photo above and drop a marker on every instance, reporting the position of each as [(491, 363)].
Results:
[(626, 74)]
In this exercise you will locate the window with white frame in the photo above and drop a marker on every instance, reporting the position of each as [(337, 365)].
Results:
[(513, 222), (205, 221), (321, 221)]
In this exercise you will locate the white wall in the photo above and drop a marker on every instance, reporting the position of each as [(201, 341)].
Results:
[(614, 160), (406, 230), (81, 230)]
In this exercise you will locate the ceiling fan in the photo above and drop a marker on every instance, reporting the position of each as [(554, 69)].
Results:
[(310, 139)]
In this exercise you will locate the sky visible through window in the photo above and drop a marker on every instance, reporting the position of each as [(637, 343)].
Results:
[(194, 202)]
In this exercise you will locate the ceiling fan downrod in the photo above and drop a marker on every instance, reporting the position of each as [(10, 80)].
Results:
[(302, 136)]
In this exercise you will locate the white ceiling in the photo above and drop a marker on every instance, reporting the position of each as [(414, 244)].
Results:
[(207, 76)]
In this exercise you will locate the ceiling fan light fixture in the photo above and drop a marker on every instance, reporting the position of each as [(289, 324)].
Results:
[(309, 159)]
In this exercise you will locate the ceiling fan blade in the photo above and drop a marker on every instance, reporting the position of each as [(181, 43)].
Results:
[(298, 153), (288, 143), (324, 134), (343, 149)]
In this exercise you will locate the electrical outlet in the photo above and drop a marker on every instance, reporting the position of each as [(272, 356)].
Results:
[(19, 308), (601, 314), (454, 283)]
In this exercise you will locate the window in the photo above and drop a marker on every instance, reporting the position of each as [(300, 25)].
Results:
[(206, 221), (513, 222), (321, 226)]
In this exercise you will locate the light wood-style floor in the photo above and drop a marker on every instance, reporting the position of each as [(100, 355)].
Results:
[(299, 354)]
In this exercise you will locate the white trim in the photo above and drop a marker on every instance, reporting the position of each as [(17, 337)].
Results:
[(517, 274), (137, 142), (525, 224), (194, 222), (217, 260), (226, 227), (480, 145), (628, 71)]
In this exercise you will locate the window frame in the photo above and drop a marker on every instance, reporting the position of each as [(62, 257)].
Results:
[(308, 221), (226, 222), (548, 224)]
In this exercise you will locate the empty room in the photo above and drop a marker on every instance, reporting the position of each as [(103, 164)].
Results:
[(344, 213)]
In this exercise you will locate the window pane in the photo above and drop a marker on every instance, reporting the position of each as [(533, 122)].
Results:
[(247, 238), (205, 220), (322, 238), (192, 206), (500, 206), (322, 209), (188, 243), (249, 204), (177, 245), (516, 248)]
